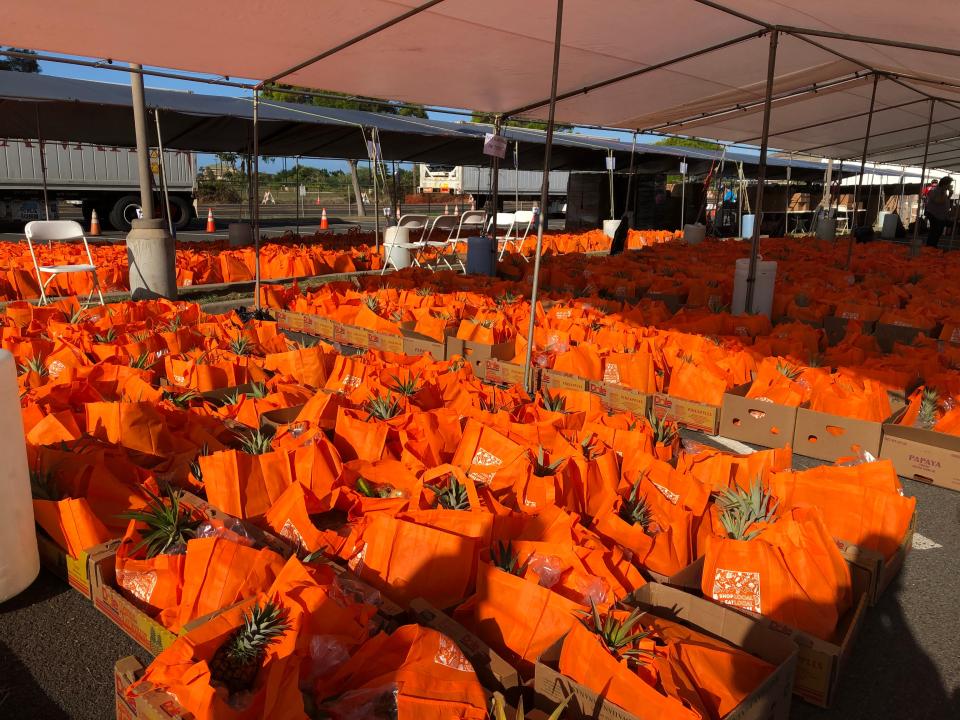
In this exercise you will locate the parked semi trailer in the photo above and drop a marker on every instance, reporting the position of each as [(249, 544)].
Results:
[(91, 176)]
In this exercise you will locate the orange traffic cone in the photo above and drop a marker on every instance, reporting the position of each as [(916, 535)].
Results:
[(317, 203), (473, 204), (94, 225), (398, 213), (211, 223), (324, 224), (446, 209), (456, 209)]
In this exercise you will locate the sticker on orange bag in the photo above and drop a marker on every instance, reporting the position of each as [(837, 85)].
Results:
[(737, 588), (611, 373), (486, 459), (449, 655)]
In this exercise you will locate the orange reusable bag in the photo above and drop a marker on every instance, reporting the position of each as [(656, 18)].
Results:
[(792, 572), (154, 583), (406, 561), (517, 617), (71, 524), (357, 438), (584, 659), (245, 485), (489, 458), (415, 673)]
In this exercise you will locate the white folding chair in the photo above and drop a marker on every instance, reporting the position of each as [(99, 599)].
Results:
[(416, 248), (59, 231), (458, 224), (517, 234)]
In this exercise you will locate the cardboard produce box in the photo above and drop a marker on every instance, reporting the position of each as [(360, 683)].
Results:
[(925, 455), (836, 327), (500, 372), (495, 673), (477, 354), (687, 579), (756, 421), (769, 701), (889, 335), (273, 420), (305, 323), (690, 414), (145, 703), (829, 437), (556, 380), (72, 570), (615, 396), (351, 335)]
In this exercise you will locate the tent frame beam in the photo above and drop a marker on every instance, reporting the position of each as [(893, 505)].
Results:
[(863, 164), (915, 244)]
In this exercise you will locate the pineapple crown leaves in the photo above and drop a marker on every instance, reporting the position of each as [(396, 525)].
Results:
[(452, 496), (141, 361), (498, 708), (507, 298), (740, 509), (77, 316), (382, 407), (241, 346), (231, 398), (195, 469), (255, 442), (258, 390), (108, 337), (664, 432), (503, 556), (929, 403), (372, 302), (554, 402), (790, 372), (265, 625), (425, 291), (34, 364), (174, 324), (168, 522), (541, 468), (43, 485), (617, 636), (635, 510), (589, 447), (407, 387), (181, 400)]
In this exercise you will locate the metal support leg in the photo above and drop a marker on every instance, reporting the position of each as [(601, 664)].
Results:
[(43, 169), (915, 244), (762, 171), (863, 163), (163, 177), (255, 206)]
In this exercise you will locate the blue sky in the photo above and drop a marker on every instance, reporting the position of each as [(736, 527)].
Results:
[(112, 76)]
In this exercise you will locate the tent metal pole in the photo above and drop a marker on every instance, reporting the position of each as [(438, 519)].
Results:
[(915, 244), (863, 164), (297, 174), (903, 180), (140, 127), (163, 176), (610, 173), (544, 199), (867, 40), (683, 191), (373, 151), (628, 207), (762, 172), (786, 208), (741, 189), (43, 168), (494, 188), (891, 132), (255, 207), (516, 175)]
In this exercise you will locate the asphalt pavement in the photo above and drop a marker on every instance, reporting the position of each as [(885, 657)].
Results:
[(57, 652)]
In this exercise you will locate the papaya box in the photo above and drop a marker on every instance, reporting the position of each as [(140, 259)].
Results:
[(688, 413), (495, 673), (768, 701), (477, 354), (924, 455), (756, 421)]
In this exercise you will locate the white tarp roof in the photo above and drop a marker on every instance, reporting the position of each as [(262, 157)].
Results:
[(496, 56)]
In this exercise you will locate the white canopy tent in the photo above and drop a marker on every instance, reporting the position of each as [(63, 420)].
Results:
[(718, 69)]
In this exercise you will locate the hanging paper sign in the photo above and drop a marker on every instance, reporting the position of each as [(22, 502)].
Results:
[(495, 145), (683, 167), (611, 162)]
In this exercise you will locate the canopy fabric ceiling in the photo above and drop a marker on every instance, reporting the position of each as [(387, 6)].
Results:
[(101, 113), (496, 56)]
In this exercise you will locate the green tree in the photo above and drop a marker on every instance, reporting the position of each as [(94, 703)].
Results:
[(487, 118), (18, 64), (690, 143)]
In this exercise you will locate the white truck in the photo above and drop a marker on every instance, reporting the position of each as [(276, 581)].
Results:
[(88, 177)]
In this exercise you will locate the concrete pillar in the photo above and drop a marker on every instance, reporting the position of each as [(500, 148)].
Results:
[(151, 252)]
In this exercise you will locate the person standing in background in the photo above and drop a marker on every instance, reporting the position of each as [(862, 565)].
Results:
[(938, 209)]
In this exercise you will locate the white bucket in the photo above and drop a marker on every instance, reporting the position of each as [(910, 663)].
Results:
[(694, 234), (746, 226), (888, 226), (610, 227), (827, 229), (399, 255), (763, 287), (19, 561), (240, 234)]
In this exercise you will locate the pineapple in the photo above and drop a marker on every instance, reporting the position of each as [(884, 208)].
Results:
[(241, 346), (382, 407), (141, 361), (929, 402), (554, 403), (372, 302), (788, 371), (739, 509), (408, 387), (169, 524), (108, 337), (504, 557), (635, 510), (541, 468), (236, 663), (664, 433), (616, 635), (453, 496), (255, 443), (35, 365)]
